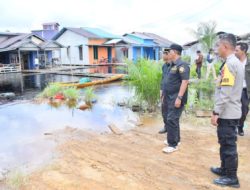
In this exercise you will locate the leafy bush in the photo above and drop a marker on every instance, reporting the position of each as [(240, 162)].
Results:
[(186, 58), (206, 86)]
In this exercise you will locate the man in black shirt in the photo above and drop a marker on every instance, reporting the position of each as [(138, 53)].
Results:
[(175, 96), (164, 107)]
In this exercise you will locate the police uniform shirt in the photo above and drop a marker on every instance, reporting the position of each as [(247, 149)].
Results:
[(229, 89), (177, 72)]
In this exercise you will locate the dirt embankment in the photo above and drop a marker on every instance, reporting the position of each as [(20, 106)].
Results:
[(134, 161)]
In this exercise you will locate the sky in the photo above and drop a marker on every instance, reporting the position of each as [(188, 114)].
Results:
[(172, 19)]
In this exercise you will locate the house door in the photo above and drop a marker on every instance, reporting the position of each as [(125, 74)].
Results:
[(25, 60), (109, 54)]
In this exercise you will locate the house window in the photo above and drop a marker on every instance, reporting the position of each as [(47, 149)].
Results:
[(80, 53), (95, 52)]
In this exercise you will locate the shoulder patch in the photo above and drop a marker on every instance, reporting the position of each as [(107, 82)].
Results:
[(227, 78), (181, 69)]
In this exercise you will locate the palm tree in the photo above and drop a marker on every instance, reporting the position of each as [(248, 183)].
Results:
[(206, 34)]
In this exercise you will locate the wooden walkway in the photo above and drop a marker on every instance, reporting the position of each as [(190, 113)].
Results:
[(70, 71)]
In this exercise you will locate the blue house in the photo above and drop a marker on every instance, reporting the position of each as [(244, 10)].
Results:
[(136, 45)]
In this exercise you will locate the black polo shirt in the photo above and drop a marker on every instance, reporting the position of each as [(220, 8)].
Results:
[(177, 71), (164, 74)]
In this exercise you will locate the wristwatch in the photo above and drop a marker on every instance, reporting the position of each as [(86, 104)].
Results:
[(180, 97), (215, 113)]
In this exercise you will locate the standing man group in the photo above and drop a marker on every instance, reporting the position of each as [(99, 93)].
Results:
[(227, 111), (241, 53), (174, 91), (198, 62)]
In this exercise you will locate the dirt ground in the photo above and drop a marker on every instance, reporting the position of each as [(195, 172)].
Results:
[(134, 160)]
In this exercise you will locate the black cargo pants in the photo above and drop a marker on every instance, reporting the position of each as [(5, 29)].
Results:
[(227, 137)]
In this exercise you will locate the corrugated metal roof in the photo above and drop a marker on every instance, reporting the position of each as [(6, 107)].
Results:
[(113, 41), (9, 34), (78, 31), (13, 40), (161, 41), (47, 43), (141, 35), (101, 33)]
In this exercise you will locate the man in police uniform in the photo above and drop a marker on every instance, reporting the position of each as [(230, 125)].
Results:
[(164, 107), (175, 96), (241, 53), (227, 111)]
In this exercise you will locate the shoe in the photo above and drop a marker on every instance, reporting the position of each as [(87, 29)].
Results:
[(227, 181), (166, 143), (162, 131), (218, 171), (241, 133), (169, 149)]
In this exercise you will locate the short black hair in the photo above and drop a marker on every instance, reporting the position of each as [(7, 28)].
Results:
[(198, 51), (243, 46), (230, 38)]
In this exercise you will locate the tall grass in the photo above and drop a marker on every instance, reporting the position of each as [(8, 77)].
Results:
[(145, 77)]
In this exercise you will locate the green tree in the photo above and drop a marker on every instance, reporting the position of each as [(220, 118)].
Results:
[(206, 34)]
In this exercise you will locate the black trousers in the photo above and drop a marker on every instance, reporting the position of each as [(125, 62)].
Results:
[(198, 71), (245, 109), (164, 111), (227, 137), (172, 117)]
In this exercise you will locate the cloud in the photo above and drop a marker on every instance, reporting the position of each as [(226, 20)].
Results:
[(172, 19)]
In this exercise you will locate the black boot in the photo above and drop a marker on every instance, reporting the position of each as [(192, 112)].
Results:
[(163, 130), (218, 171), (240, 131), (227, 181)]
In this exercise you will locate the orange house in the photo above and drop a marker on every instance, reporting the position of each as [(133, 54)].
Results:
[(100, 53)]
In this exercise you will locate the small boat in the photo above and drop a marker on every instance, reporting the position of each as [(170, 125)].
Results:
[(95, 82)]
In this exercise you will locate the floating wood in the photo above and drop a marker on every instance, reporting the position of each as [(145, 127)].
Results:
[(95, 82)]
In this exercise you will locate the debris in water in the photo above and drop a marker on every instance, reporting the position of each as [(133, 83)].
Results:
[(114, 129)]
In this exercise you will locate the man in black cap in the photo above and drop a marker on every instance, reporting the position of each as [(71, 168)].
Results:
[(175, 96), (165, 70)]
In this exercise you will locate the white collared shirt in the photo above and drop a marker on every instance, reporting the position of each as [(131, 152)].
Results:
[(244, 81)]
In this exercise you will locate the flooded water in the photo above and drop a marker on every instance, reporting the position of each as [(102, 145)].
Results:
[(27, 86), (24, 123)]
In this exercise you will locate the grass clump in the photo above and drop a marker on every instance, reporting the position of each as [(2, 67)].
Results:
[(51, 90), (71, 93), (89, 95)]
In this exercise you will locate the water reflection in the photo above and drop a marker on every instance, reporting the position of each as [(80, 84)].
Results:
[(28, 86), (23, 125)]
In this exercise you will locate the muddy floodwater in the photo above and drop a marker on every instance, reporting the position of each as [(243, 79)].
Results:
[(26, 126)]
